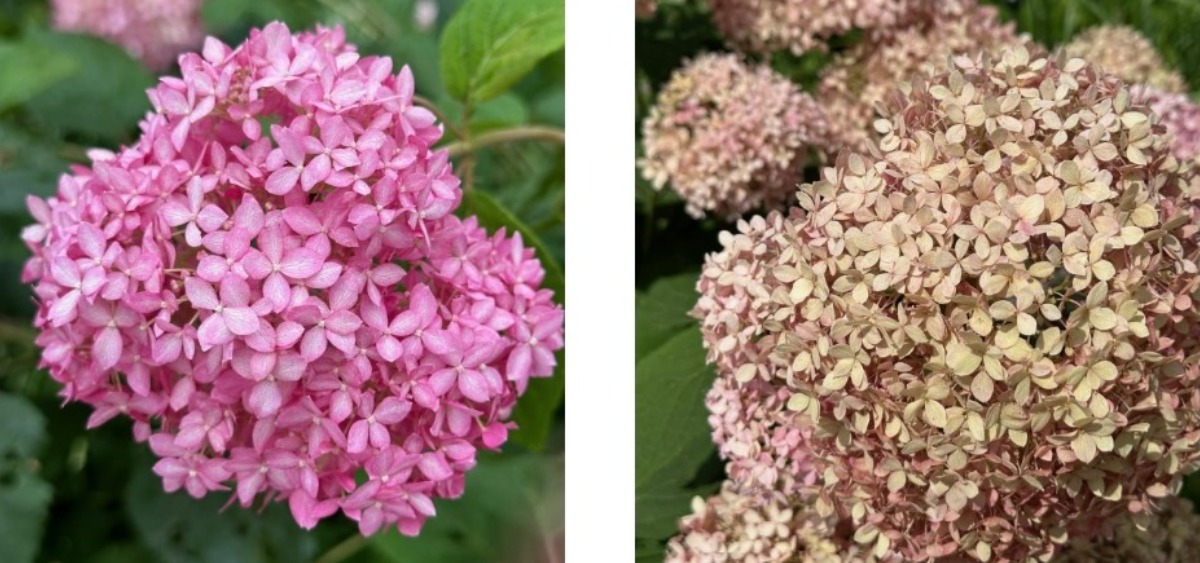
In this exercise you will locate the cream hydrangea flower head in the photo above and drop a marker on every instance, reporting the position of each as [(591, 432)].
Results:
[(990, 324), (729, 136), (855, 83), (1122, 51), (757, 527)]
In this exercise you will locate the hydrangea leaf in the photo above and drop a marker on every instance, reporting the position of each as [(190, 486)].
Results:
[(24, 496), (535, 410), (29, 69), (103, 99), (672, 437), (490, 44), (481, 525), (663, 311), (179, 529)]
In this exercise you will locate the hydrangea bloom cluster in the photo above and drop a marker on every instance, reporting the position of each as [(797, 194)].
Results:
[(762, 26), (756, 527), (1122, 51), (855, 83), (1180, 115), (770, 527), (645, 8), (1167, 537), (271, 284), (729, 137), (990, 325), (155, 31)]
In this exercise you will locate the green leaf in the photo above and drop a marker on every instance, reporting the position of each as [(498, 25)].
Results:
[(663, 310), (512, 511), (179, 528), (103, 99), (672, 436), (535, 410), (658, 512), (30, 68), (490, 44), (24, 496)]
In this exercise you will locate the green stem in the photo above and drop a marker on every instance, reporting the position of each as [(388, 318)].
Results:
[(531, 133), (468, 161), (344, 550)]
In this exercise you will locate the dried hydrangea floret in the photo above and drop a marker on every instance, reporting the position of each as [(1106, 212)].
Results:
[(854, 85), (757, 526), (1122, 51), (990, 325), (729, 136)]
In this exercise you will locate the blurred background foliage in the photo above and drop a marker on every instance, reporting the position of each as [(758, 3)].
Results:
[(72, 495), (676, 459)]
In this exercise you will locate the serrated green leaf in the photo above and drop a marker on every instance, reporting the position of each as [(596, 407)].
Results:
[(672, 434), (662, 311), (490, 44)]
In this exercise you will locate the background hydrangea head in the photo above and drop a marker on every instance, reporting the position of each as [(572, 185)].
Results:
[(154, 31), (272, 284), (988, 325), (729, 136)]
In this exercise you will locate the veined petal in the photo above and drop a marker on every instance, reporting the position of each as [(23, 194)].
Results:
[(301, 263), (240, 320)]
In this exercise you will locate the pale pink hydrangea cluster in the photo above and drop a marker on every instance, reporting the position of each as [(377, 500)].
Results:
[(645, 8), (763, 26), (986, 328), (729, 136), (270, 282), (1123, 52), (800, 25), (858, 81), (757, 526), (155, 31), (1180, 115)]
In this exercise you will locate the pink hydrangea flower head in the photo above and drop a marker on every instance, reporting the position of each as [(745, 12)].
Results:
[(1180, 115), (270, 282), (729, 136), (1127, 54), (799, 26), (858, 81), (155, 31), (988, 324)]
